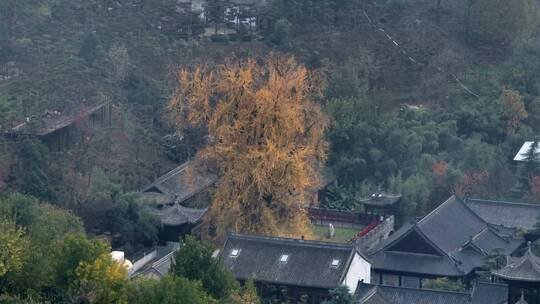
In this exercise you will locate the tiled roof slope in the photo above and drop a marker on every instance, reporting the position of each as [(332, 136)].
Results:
[(458, 238), (381, 199), (177, 214), (489, 293), (182, 182), (525, 268), (52, 121), (482, 293), (506, 214), (309, 263), (400, 295)]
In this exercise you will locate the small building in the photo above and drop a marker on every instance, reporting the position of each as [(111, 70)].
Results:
[(380, 203), (176, 220), (156, 263), (56, 129), (184, 184), (179, 199), (482, 293), (451, 241), (521, 156), (522, 274), (188, 185), (294, 269), (227, 17)]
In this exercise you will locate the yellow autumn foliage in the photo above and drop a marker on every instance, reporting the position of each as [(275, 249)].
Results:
[(266, 140), (102, 281), (514, 109), (12, 247)]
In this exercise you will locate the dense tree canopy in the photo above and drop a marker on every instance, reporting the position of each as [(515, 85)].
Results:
[(194, 261), (411, 108), (502, 21)]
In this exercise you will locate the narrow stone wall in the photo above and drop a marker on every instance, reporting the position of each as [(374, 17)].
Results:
[(379, 233)]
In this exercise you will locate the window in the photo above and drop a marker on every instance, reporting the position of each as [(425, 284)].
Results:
[(284, 258), (410, 282), (390, 280), (235, 252), (335, 263), (376, 277)]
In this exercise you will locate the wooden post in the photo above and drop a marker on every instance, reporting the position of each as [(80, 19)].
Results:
[(110, 113)]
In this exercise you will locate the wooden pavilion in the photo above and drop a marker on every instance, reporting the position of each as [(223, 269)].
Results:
[(523, 277)]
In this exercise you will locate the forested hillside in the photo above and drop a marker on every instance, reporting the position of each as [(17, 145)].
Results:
[(424, 98)]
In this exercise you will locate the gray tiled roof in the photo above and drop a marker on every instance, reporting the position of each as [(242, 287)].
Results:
[(52, 121), (415, 263), (507, 214), (308, 265), (525, 268), (177, 214), (381, 199), (451, 230), (373, 296), (182, 183), (400, 295), (161, 264), (489, 293), (482, 293)]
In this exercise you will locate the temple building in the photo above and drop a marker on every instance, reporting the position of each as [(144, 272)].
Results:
[(506, 214), (294, 270), (184, 184), (522, 275), (481, 293), (177, 221), (380, 203), (61, 131), (179, 199), (451, 241)]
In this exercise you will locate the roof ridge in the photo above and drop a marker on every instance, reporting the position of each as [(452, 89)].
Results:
[(413, 253), (490, 283), (347, 265), (274, 239), (471, 243), (444, 253), (462, 203), (481, 200), (496, 232), (369, 294), (172, 172), (424, 236), (179, 206), (436, 210), (425, 290)]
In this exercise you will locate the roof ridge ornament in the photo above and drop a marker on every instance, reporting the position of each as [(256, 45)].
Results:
[(522, 298)]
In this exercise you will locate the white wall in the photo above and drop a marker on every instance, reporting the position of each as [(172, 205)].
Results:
[(144, 260), (359, 270)]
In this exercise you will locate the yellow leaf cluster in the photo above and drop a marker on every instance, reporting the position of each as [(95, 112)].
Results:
[(514, 109), (266, 140), (102, 281), (12, 247)]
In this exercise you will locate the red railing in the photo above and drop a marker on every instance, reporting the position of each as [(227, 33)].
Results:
[(365, 231)]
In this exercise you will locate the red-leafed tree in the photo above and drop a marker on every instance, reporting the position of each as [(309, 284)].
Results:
[(534, 188), (470, 183)]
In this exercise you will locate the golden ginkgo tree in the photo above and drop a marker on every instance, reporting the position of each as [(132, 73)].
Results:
[(266, 140)]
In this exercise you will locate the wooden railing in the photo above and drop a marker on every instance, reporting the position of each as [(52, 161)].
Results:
[(323, 216)]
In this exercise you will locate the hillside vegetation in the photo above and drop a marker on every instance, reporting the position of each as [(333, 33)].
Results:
[(425, 98)]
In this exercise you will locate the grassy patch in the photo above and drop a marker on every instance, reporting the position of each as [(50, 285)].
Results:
[(343, 235)]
